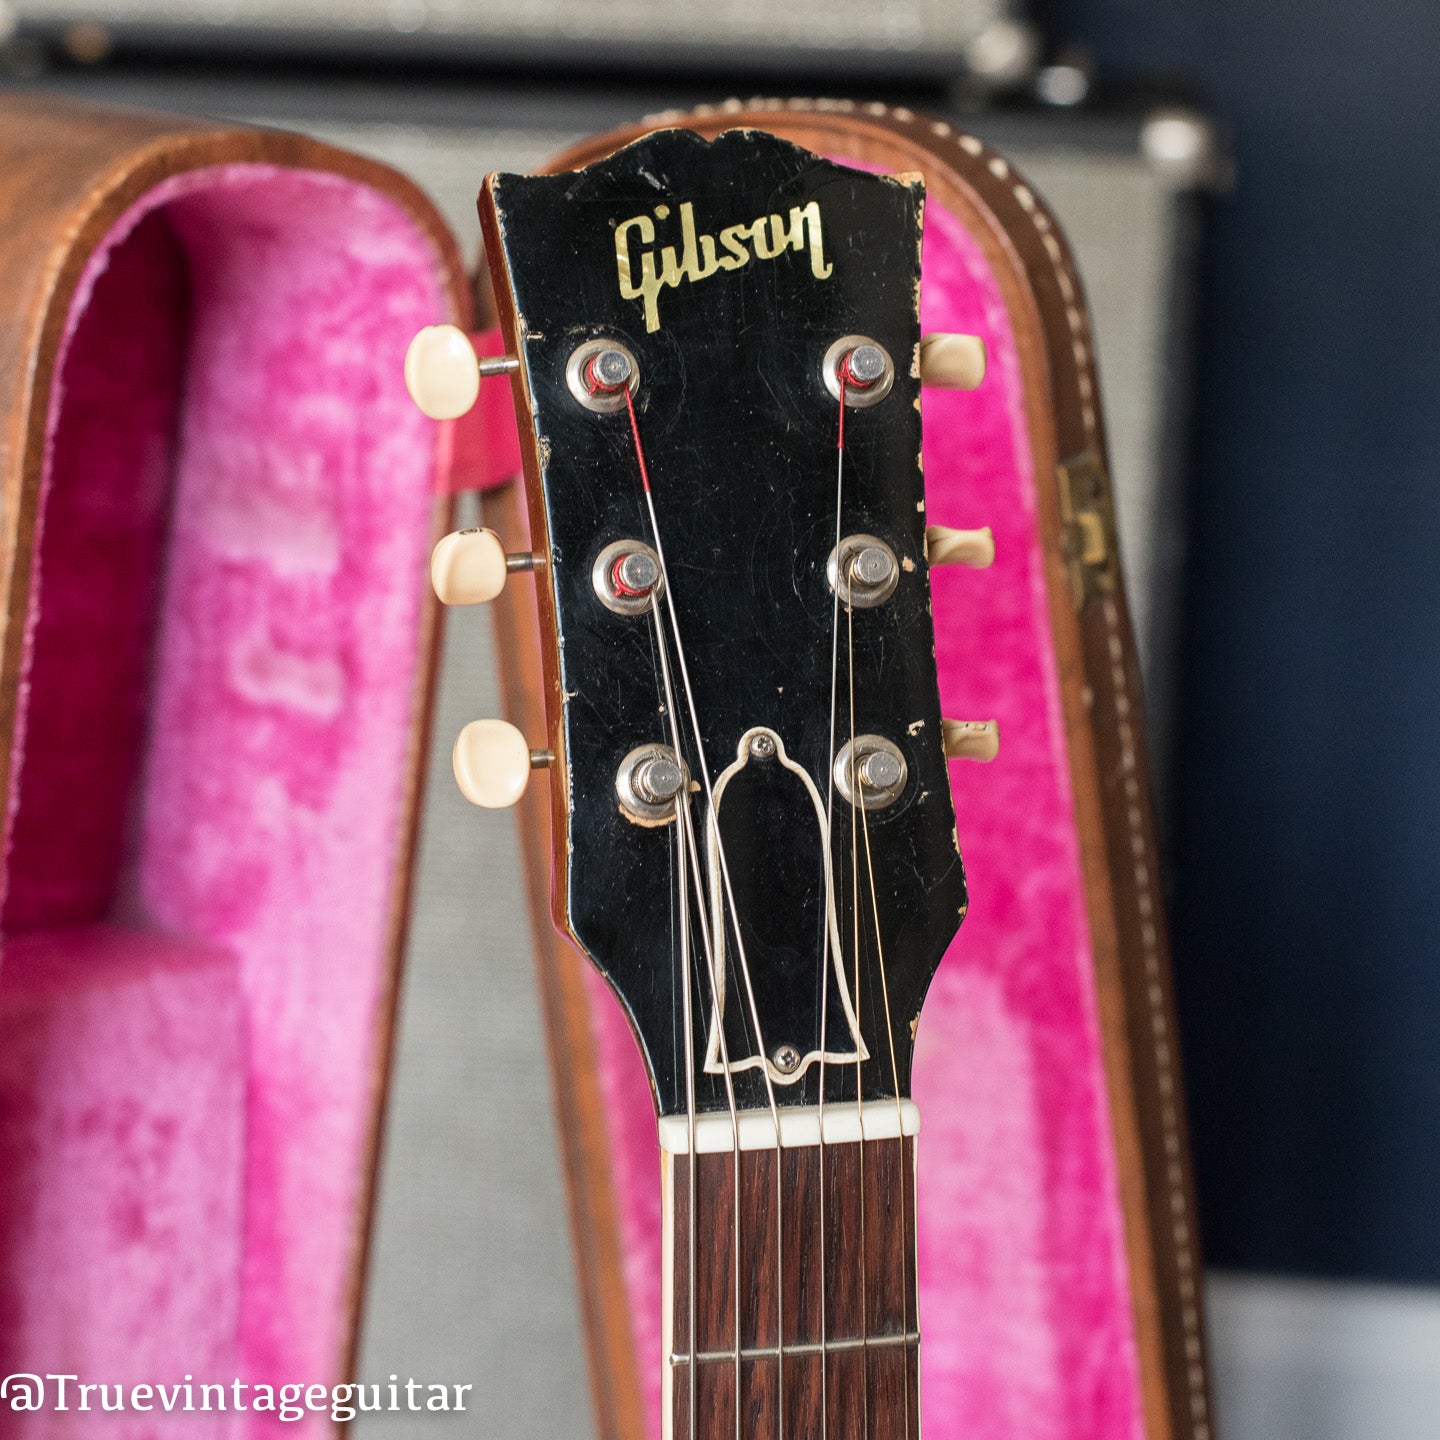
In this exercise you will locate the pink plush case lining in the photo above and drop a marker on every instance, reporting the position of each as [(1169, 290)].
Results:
[(1024, 1293), (211, 756)]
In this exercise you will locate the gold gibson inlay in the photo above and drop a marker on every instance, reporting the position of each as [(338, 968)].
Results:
[(700, 256)]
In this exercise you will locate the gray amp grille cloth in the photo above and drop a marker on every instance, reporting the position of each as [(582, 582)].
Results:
[(904, 27), (471, 1278)]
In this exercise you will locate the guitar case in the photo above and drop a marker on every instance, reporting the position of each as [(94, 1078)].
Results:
[(217, 644), (217, 654), (1059, 1276)]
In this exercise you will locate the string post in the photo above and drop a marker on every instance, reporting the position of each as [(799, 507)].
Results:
[(627, 576), (870, 772), (880, 771), (649, 781), (858, 371), (635, 573), (606, 372), (872, 567), (863, 571), (865, 366), (602, 375)]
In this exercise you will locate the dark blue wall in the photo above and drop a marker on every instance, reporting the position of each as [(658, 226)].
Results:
[(1307, 855)]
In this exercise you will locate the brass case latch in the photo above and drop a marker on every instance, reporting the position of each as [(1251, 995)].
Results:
[(1087, 515)]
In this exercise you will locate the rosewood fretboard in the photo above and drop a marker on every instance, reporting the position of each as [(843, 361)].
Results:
[(860, 1331)]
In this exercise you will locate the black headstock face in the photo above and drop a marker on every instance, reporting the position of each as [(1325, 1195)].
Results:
[(773, 255)]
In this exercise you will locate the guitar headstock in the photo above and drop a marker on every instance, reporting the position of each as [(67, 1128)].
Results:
[(717, 357)]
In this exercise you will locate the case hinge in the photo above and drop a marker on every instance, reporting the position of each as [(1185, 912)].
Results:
[(1087, 516)]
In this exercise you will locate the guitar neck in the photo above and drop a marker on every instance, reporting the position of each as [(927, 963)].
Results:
[(825, 1262)]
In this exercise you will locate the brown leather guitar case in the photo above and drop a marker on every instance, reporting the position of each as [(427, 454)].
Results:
[(214, 683), (214, 678), (1059, 1275)]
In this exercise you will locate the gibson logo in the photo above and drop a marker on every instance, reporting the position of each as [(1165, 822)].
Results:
[(700, 256)]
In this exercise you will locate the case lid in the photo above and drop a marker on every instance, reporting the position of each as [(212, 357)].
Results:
[(1056, 1206), (214, 695)]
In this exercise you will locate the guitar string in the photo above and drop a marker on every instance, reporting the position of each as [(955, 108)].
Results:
[(755, 1018), (685, 827), (730, 1099), (900, 1117), (685, 946), (859, 818), (714, 821), (825, 943), (857, 808), (692, 1161), (864, 827), (858, 1003)]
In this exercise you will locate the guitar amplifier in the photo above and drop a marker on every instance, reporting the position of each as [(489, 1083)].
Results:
[(471, 1200), (935, 39)]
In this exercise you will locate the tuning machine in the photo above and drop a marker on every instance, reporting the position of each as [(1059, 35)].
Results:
[(443, 372), (493, 761), (469, 567), (975, 548), (865, 366), (649, 782), (970, 739), (864, 570), (952, 362), (600, 374), (627, 577), (870, 772)]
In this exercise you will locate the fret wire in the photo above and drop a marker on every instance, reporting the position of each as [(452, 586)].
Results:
[(765, 1352)]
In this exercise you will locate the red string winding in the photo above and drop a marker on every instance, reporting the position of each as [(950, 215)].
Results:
[(639, 449)]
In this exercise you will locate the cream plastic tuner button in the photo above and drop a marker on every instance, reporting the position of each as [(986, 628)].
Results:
[(952, 362), (468, 567), (970, 739), (944, 546), (493, 763), (442, 372)]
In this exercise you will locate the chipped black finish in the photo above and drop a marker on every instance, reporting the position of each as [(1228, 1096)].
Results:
[(740, 435)]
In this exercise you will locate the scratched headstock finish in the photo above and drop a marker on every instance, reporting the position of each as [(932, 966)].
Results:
[(738, 430)]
